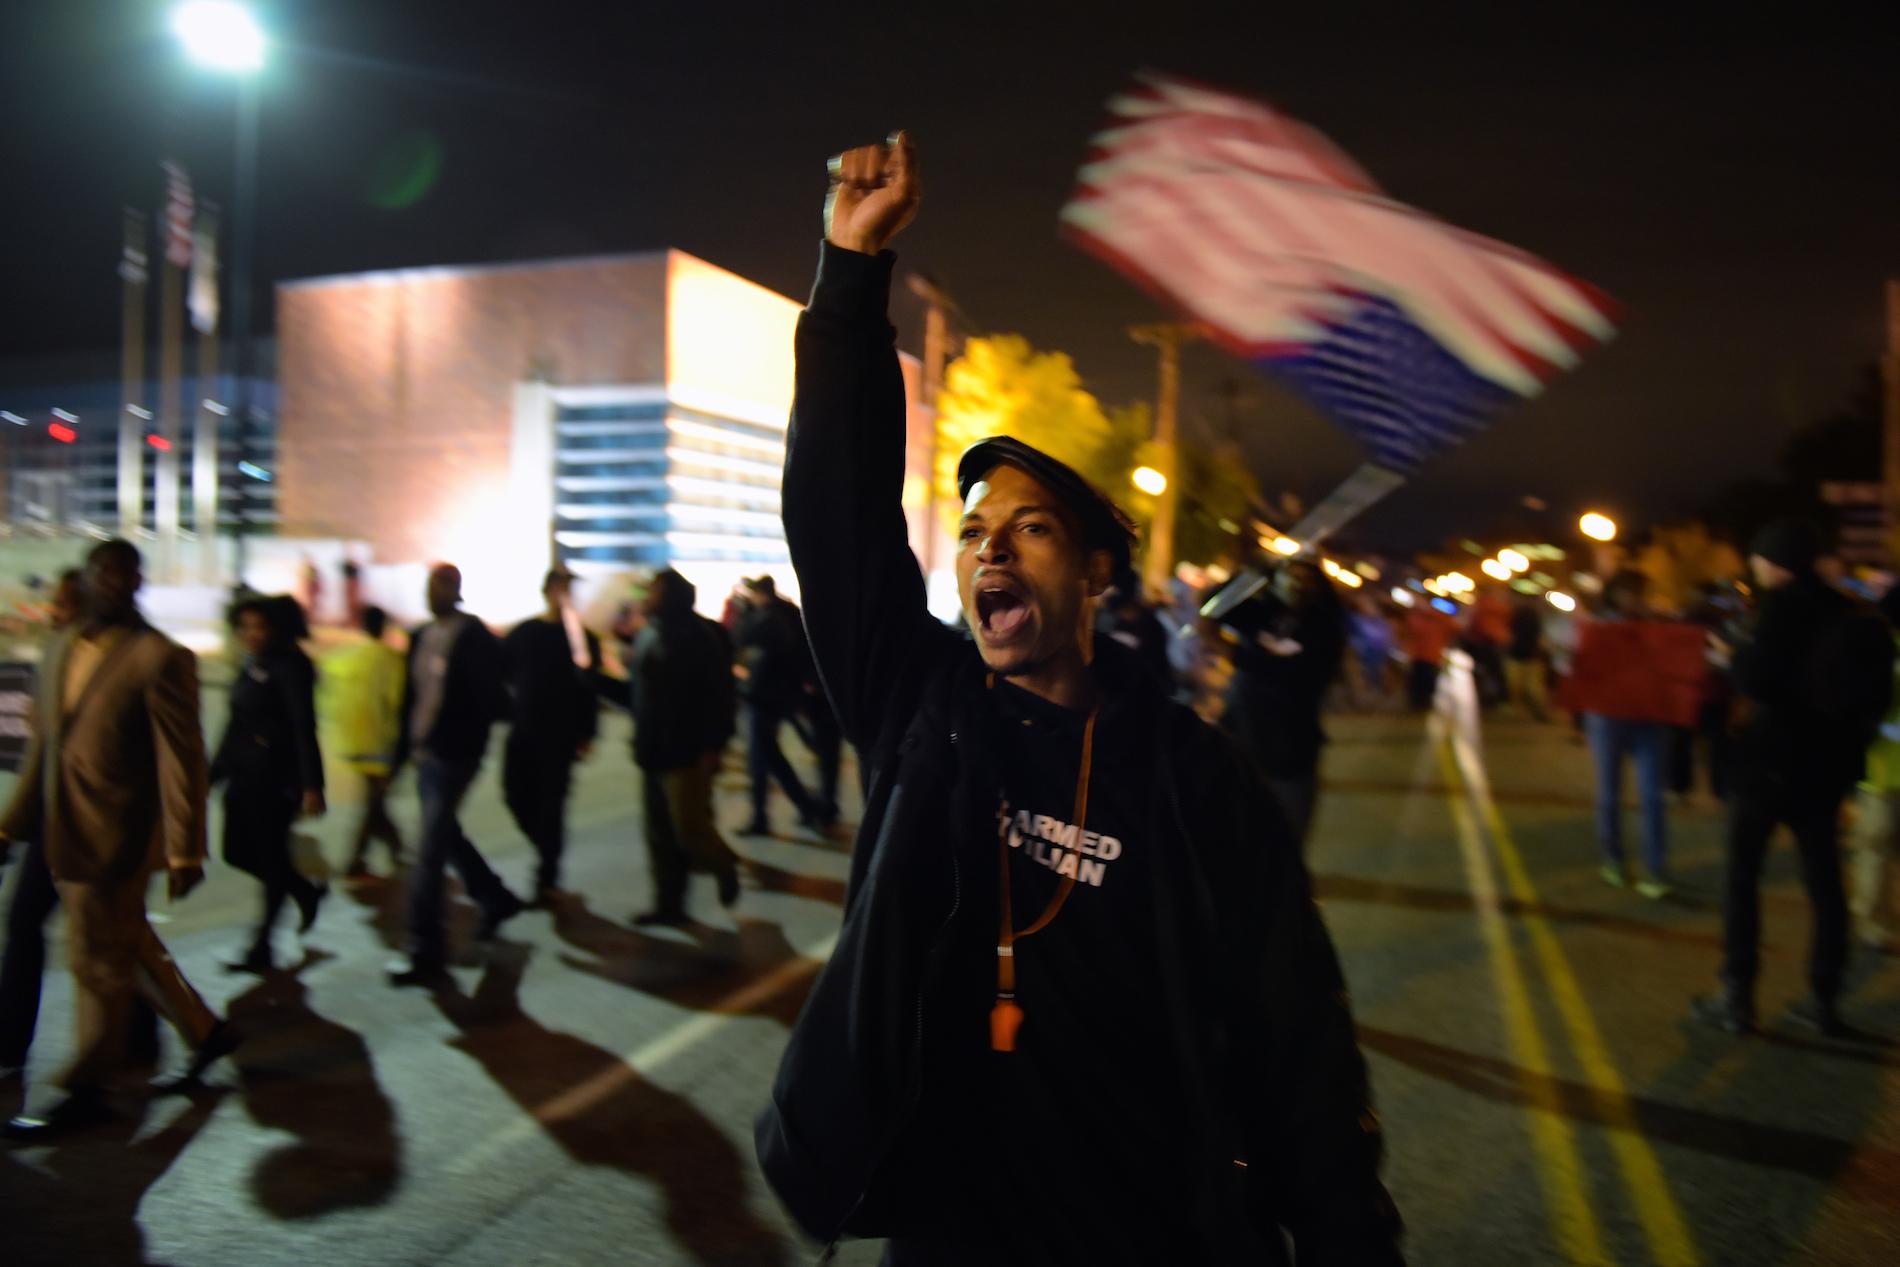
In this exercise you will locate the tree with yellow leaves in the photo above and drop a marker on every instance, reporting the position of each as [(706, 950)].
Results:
[(1003, 386)]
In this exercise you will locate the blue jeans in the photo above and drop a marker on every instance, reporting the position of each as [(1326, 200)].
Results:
[(441, 785), (1647, 744)]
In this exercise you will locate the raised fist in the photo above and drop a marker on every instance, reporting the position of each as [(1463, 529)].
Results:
[(875, 190)]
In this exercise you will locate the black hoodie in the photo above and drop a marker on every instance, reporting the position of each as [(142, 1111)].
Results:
[(1187, 1086)]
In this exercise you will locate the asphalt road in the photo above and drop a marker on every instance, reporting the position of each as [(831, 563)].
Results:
[(587, 1094)]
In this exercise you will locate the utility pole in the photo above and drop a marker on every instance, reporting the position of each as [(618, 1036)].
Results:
[(1166, 338), (936, 351), (1890, 375)]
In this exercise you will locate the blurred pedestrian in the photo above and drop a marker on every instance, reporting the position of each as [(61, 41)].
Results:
[(1290, 639), (1428, 634), (362, 692), (778, 666), (1876, 834), (23, 964), (1616, 739), (1129, 619), (683, 712), (454, 694), (270, 765), (552, 663), (1524, 674), (352, 574), (1370, 635), (1816, 680), (1487, 633), (113, 787), (1716, 612), (1049, 838), (310, 588)]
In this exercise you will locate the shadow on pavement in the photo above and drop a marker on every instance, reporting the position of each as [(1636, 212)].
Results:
[(79, 1202), (705, 969), (309, 1077), (1347, 888), (1865, 1172), (604, 1113)]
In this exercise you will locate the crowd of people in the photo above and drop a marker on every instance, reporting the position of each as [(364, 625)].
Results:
[(115, 785)]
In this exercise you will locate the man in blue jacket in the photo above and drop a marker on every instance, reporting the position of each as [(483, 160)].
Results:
[(1082, 1007)]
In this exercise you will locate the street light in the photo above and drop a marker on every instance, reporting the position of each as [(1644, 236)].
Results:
[(223, 36), (1150, 481), (1496, 569), (1597, 527), (220, 35), (1515, 560), (1561, 601), (1285, 545)]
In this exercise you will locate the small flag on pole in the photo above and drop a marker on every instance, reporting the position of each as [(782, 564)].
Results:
[(201, 293), (1409, 332), (132, 258), (179, 206)]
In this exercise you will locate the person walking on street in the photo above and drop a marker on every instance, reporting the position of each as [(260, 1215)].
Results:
[(1080, 957), (23, 962), (555, 715), (270, 765), (778, 667), (1876, 834), (1524, 675), (361, 689), (113, 787), (453, 696), (683, 705), (1816, 681), (1292, 639), (1614, 740), (1428, 633)]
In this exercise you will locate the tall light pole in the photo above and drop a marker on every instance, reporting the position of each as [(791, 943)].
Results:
[(223, 36)]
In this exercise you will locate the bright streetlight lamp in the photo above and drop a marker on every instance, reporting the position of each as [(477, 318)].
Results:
[(1561, 601), (1597, 527), (1150, 481), (1285, 545), (1515, 560), (1496, 569), (220, 35)]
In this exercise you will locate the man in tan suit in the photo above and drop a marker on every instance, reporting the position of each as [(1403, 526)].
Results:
[(114, 787)]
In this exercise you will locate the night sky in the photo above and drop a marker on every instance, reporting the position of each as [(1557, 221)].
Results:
[(1737, 190)]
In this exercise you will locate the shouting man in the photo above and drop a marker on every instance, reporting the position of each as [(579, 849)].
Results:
[(1082, 1008)]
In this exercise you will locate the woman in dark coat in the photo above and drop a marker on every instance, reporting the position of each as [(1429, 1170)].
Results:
[(270, 764)]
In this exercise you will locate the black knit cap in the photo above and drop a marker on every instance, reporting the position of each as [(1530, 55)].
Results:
[(1789, 543), (1105, 526)]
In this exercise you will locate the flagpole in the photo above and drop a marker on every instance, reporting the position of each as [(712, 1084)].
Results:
[(132, 411), (204, 444), (243, 225), (171, 322)]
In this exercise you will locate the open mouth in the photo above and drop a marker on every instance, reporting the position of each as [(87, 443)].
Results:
[(1001, 611)]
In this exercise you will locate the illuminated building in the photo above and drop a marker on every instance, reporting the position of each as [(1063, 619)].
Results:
[(617, 413)]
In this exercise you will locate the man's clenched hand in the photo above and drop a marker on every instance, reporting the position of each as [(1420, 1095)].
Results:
[(875, 190)]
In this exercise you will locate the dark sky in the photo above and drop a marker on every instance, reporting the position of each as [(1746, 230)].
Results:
[(1737, 190)]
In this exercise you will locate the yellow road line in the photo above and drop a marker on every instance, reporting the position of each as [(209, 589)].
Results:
[(1663, 1224), (1554, 1138)]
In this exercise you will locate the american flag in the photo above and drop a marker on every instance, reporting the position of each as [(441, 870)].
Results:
[(179, 206), (1410, 332)]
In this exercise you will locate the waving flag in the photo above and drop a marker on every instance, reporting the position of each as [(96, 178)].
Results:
[(1409, 332)]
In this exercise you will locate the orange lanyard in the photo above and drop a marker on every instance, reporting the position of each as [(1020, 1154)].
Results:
[(1007, 1016)]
